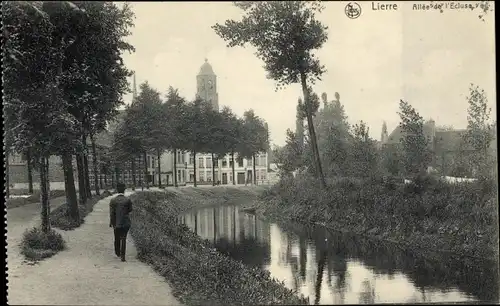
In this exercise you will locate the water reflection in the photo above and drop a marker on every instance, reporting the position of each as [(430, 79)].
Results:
[(333, 268)]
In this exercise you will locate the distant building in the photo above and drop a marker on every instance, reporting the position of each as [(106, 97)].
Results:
[(447, 145), (18, 167)]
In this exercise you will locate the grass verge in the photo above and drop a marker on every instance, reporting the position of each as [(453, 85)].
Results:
[(197, 272), (33, 198), (428, 215), (37, 245), (59, 217)]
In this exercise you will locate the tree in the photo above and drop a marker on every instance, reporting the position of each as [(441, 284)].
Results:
[(415, 145), (334, 138), (285, 34), (254, 140), (290, 157), (480, 130), (363, 152), (220, 137), (142, 120), (195, 129), (176, 112), (95, 77), (33, 96), (232, 133)]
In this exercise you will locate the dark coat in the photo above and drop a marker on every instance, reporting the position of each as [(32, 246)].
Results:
[(119, 210)]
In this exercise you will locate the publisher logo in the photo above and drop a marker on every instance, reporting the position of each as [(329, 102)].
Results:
[(352, 10)]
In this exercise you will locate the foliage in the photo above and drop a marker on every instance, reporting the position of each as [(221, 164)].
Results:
[(290, 157), (255, 136), (333, 137), (232, 131), (285, 34), (480, 130), (37, 245), (414, 143), (175, 111), (364, 157), (197, 272)]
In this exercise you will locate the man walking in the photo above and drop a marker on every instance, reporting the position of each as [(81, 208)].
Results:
[(119, 210)]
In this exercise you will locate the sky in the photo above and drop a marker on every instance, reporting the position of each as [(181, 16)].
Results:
[(426, 57)]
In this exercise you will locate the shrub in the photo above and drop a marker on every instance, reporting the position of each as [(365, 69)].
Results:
[(37, 245), (60, 217)]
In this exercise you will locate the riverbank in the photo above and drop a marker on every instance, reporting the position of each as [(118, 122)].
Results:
[(432, 217), (198, 273)]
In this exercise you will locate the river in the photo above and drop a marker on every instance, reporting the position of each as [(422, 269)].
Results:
[(333, 268)]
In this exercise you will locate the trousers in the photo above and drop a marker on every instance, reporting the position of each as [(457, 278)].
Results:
[(121, 241)]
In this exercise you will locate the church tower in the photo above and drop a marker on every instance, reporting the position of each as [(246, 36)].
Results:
[(206, 84)]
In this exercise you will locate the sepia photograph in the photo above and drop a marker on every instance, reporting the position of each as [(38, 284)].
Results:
[(250, 152)]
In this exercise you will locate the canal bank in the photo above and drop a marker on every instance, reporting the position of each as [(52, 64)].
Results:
[(434, 218), (340, 268), (197, 272)]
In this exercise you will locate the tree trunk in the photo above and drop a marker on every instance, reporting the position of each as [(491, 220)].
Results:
[(213, 170), (232, 158), (253, 172), (94, 161), (106, 180), (194, 169), (146, 170), (88, 189), (81, 179), (133, 173), (30, 171), (159, 168), (312, 133), (85, 165), (69, 180), (175, 168), (100, 181), (44, 196)]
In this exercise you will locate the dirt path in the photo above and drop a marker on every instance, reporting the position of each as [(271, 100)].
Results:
[(88, 272)]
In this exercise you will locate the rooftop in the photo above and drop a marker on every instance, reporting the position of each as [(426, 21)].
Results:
[(206, 69)]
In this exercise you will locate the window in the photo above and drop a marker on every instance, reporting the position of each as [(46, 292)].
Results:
[(209, 176), (201, 176), (179, 158), (191, 159), (249, 162), (209, 162), (201, 164), (240, 163), (216, 162), (224, 163), (231, 163)]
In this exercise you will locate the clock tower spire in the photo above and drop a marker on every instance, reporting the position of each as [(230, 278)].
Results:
[(206, 84)]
